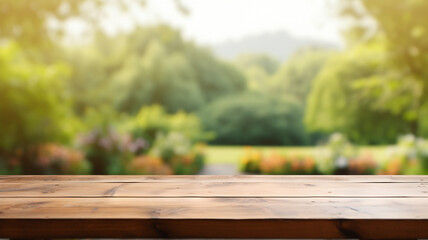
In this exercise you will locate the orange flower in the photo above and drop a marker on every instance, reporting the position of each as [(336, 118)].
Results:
[(146, 164)]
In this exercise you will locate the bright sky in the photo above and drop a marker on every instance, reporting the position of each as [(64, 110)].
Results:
[(214, 21)]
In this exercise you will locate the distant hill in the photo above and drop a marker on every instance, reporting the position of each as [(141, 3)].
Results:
[(277, 44)]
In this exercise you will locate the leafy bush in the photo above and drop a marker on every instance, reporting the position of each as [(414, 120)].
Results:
[(362, 165), (153, 120), (253, 119), (337, 156), (360, 94), (34, 108), (109, 151), (250, 161), (409, 156), (176, 150), (333, 157), (52, 158), (144, 140)]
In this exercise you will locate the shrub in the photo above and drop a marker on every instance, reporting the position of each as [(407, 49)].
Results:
[(409, 156), (333, 157), (153, 120), (362, 165), (33, 107), (109, 151), (52, 158), (173, 138), (176, 150), (250, 161), (253, 119)]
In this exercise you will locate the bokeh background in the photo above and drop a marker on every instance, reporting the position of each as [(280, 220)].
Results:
[(213, 87)]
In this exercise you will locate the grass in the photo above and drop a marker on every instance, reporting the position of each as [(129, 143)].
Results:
[(232, 154)]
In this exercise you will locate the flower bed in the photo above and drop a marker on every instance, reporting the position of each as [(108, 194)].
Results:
[(50, 158), (255, 162), (339, 156), (152, 142)]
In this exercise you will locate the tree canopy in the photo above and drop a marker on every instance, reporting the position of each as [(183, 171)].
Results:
[(295, 77), (152, 65), (379, 78), (255, 119)]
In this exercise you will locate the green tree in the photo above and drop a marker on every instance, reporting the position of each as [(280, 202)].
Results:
[(152, 65), (295, 77), (34, 107), (376, 89), (30, 22), (347, 96), (257, 68), (402, 27), (25, 21), (255, 119)]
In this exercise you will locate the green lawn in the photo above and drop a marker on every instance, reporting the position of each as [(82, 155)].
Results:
[(232, 154)]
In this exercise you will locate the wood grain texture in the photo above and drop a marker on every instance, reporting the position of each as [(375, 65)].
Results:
[(214, 208), (213, 178), (365, 207), (214, 189)]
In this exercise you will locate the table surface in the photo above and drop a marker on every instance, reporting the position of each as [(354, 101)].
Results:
[(369, 207)]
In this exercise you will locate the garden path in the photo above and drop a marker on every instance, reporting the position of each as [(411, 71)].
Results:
[(220, 169)]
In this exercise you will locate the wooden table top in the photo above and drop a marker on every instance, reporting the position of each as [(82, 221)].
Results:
[(369, 207)]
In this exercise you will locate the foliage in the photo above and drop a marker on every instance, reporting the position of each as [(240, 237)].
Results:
[(254, 162), (337, 156), (173, 138), (57, 159), (295, 77), (277, 164), (48, 158), (39, 25), (153, 120), (363, 165), (151, 65), (151, 136), (355, 92), (265, 62), (33, 104), (108, 151), (409, 156), (250, 161), (176, 150), (333, 157), (401, 87), (404, 25), (379, 78), (255, 119), (258, 68), (26, 21)]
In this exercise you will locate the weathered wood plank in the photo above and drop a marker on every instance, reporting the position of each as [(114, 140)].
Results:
[(213, 208), (220, 178), (213, 189), (365, 207), (223, 228)]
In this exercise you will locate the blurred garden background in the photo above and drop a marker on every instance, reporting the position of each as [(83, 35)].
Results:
[(176, 86)]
